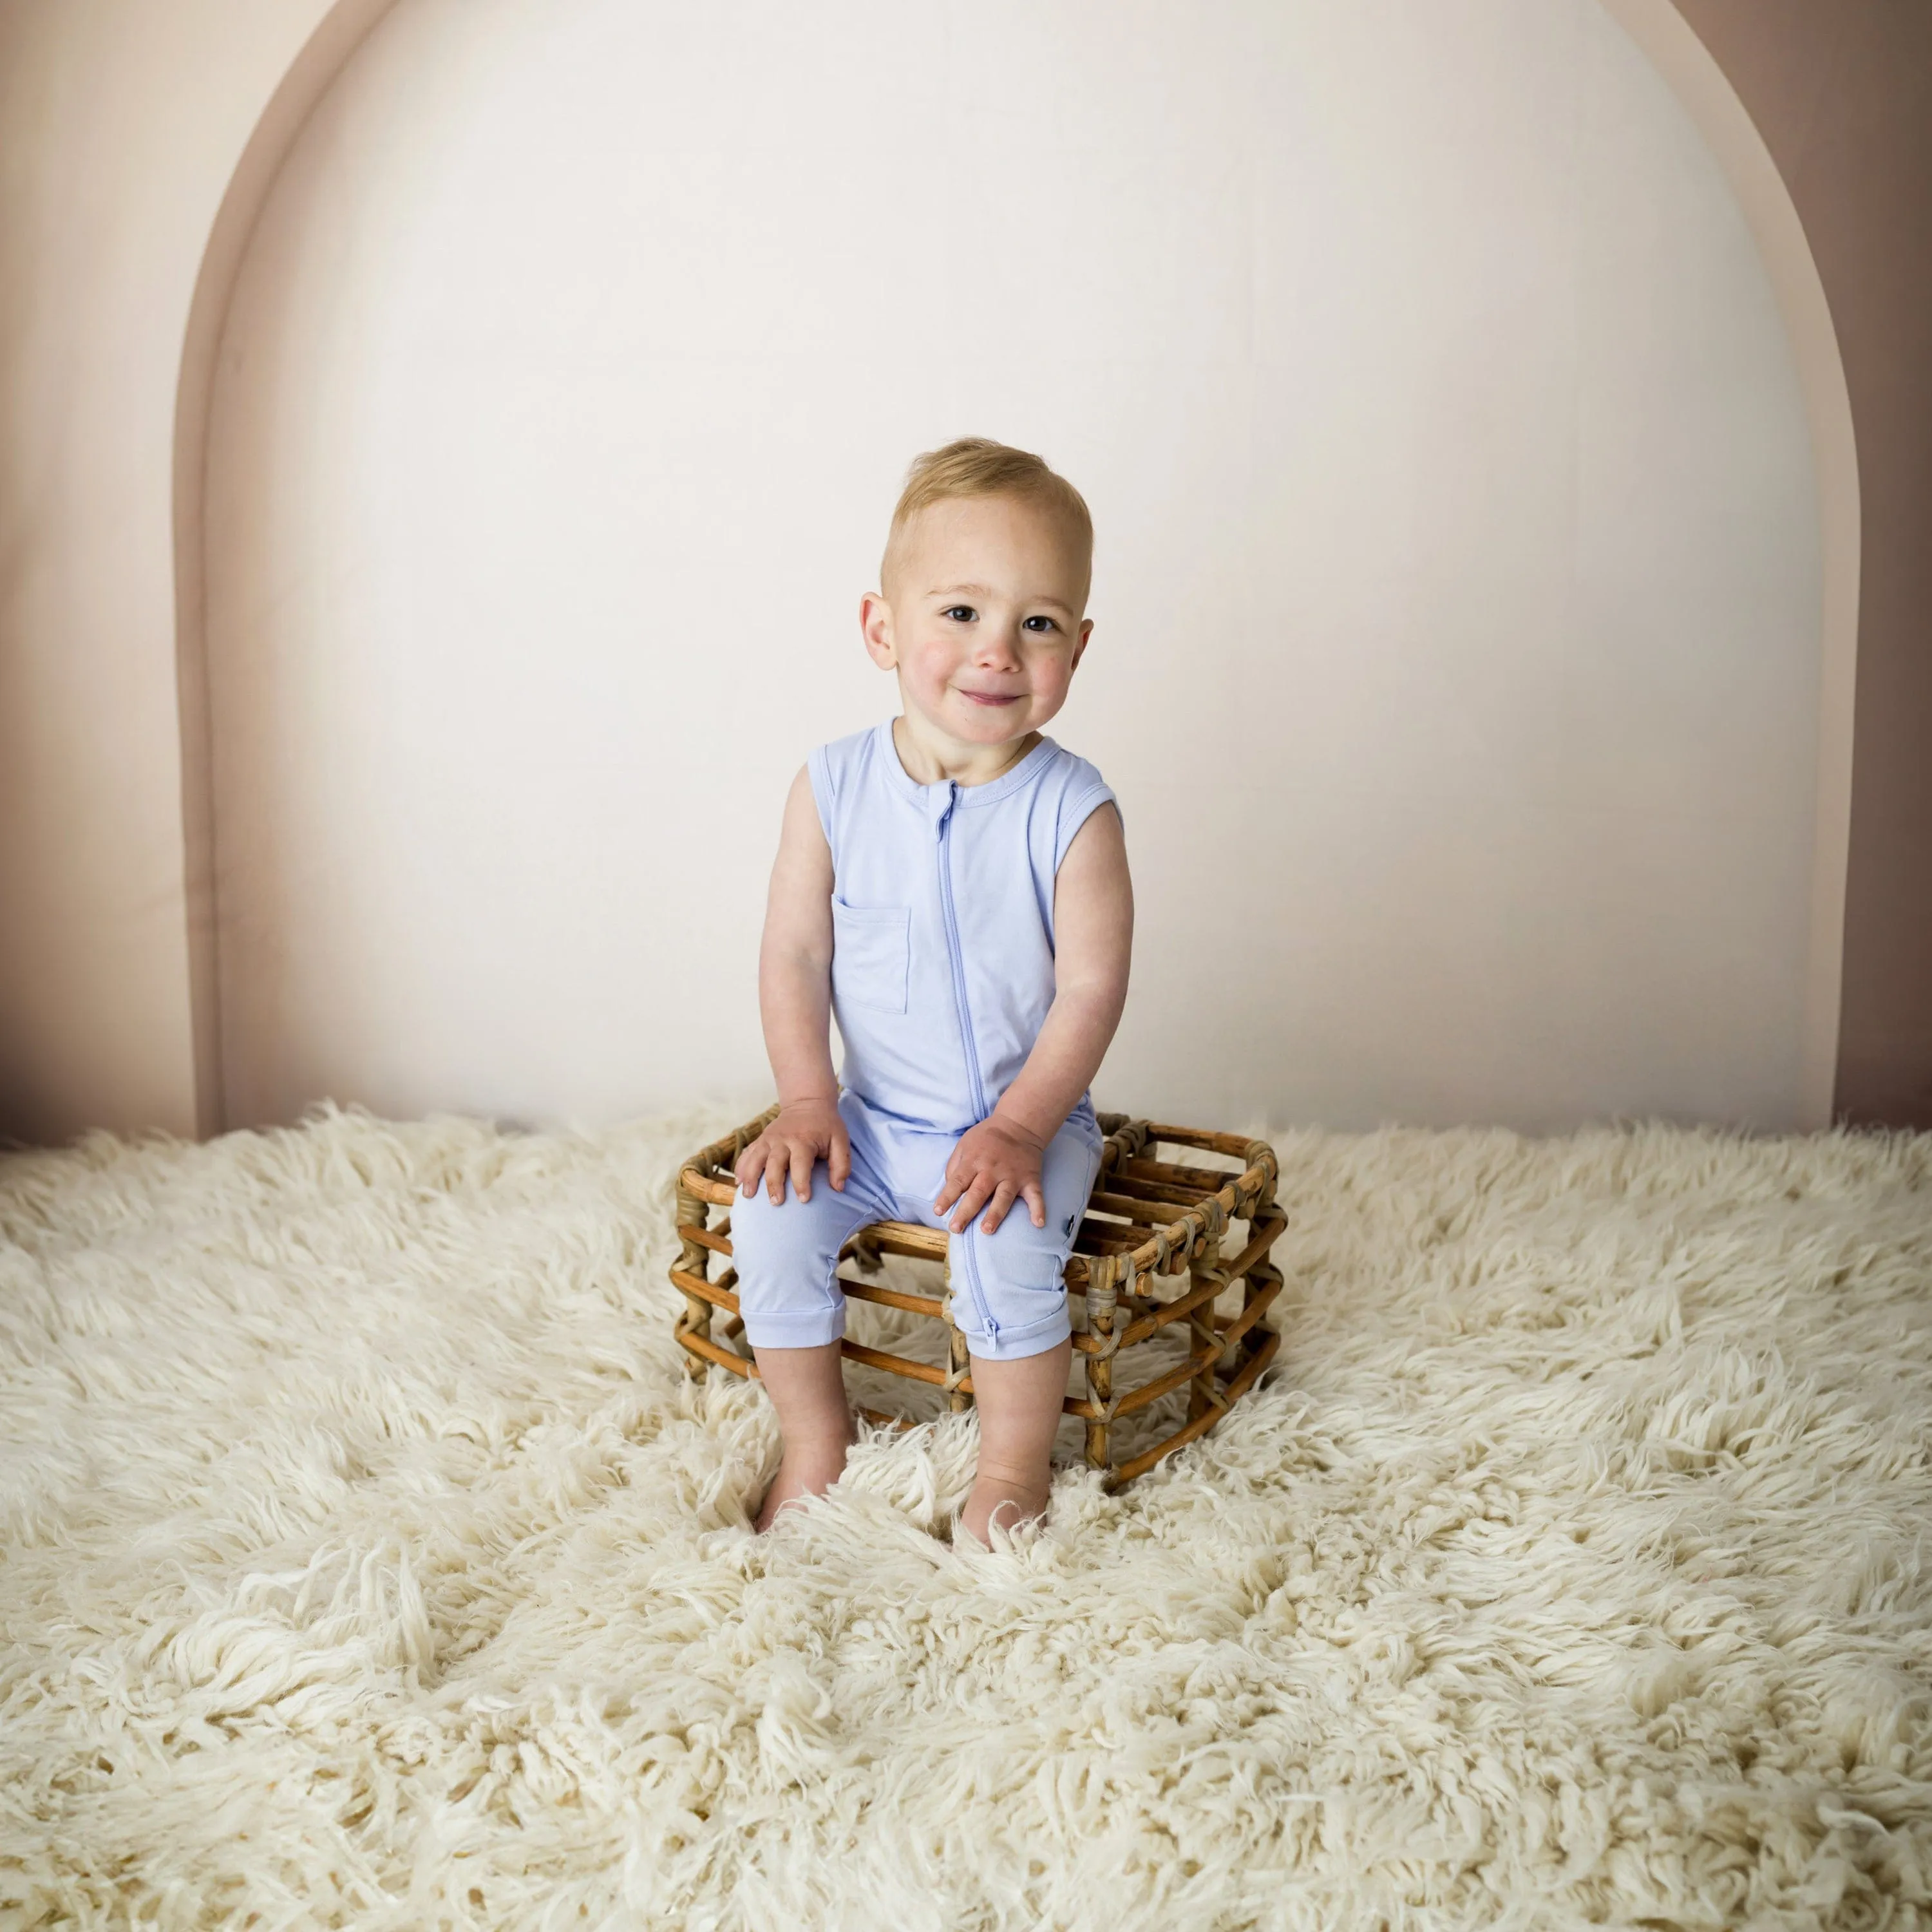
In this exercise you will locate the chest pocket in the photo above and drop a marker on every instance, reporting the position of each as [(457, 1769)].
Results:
[(871, 948)]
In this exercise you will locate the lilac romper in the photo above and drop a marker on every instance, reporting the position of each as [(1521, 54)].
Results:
[(942, 974)]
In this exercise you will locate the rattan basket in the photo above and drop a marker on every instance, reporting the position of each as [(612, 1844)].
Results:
[(1156, 1247)]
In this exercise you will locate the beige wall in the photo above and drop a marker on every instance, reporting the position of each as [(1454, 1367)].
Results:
[(122, 126), (1459, 560), (130, 182)]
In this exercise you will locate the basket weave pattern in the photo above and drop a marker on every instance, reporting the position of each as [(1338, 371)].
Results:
[(1150, 1251)]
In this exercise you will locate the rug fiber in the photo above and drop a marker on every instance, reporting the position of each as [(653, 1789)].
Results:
[(368, 1558)]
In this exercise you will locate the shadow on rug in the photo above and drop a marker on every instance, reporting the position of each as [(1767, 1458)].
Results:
[(370, 1560)]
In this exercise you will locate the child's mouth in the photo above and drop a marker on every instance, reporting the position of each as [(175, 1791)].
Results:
[(990, 697)]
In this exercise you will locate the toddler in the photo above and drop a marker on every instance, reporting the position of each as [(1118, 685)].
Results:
[(952, 885)]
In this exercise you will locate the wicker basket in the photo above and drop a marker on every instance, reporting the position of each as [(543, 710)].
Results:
[(1150, 1252)]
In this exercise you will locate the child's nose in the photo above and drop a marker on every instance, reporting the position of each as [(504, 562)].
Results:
[(998, 644)]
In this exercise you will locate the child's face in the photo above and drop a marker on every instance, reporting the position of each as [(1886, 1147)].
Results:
[(983, 623)]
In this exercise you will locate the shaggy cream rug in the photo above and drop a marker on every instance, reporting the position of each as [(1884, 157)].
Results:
[(369, 1560)]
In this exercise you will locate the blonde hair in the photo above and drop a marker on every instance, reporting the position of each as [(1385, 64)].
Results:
[(976, 466)]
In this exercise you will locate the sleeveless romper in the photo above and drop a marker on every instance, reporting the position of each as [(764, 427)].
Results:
[(942, 974)]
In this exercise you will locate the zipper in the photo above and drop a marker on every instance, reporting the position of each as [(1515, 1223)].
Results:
[(958, 961)]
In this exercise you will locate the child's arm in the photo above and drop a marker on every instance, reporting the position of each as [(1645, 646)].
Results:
[(998, 1161), (795, 1002)]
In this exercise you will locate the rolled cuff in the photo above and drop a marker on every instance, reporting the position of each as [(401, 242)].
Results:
[(805, 1328), (1012, 1344)]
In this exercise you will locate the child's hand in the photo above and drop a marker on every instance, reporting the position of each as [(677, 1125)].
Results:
[(996, 1162), (804, 1132)]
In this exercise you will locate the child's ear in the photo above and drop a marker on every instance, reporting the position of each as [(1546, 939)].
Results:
[(1080, 642), (875, 626)]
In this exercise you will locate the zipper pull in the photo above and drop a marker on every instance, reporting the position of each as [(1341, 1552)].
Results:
[(945, 810)]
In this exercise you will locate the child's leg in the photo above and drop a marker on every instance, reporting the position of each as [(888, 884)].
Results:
[(807, 1387), (786, 1258), (1018, 1403), (1010, 1300)]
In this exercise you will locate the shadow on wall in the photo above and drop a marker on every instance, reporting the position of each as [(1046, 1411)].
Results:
[(1844, 97)]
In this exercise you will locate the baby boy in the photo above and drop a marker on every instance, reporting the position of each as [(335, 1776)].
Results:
[(952, 885)]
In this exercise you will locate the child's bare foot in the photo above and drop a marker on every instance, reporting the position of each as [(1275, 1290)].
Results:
[(808, 1470), (1007, 1500)]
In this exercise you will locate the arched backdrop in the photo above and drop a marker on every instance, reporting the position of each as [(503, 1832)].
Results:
[(46, 1013), (1457, 593)]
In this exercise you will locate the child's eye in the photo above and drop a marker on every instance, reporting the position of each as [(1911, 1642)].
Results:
[(1047, 621), (963, 612)]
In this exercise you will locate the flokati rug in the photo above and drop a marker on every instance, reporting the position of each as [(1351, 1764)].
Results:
[(369, 1560)]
